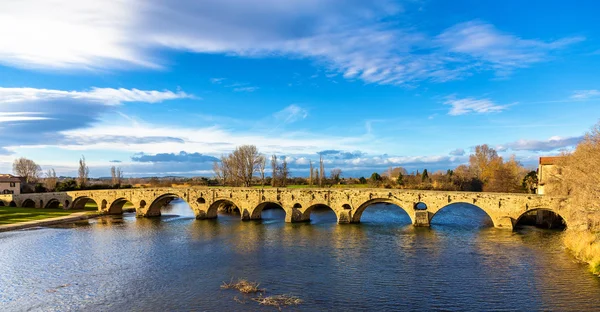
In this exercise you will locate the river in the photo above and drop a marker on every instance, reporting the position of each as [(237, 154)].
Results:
[(175, 262)]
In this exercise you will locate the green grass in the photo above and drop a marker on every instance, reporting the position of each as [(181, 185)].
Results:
[(10, 215)]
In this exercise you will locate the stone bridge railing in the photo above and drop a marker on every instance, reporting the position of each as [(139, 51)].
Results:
[(348, 204)]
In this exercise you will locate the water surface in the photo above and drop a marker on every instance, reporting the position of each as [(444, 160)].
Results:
[(175, 262)]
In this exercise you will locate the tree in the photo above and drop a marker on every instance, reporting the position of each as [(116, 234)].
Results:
[(578, 175), (219, 169), (310, 173), (27, 169), (375, 178), (262, 163), (482, 162), (284, 171), (530, 182), (400, 179), (321, 170), (274, 166), (116, 175), (362, 180), (336, 175), (65, 186), (84, 173), (425, 176), (50, 180)]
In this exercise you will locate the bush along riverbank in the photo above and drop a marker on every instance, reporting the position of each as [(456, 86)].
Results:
[(585, 246)]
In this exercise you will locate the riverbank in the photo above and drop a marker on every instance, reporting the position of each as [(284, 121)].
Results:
[(71, 217), (585, 246)]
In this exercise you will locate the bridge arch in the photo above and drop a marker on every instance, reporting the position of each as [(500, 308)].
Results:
[(116, 207), (466, 217), (542, 217), (309, 210), (154, 210), (2, 204), (54, 203), (257, 212), (359, 211), (221, 204), (80, 202), (12, 204), (28, 203)]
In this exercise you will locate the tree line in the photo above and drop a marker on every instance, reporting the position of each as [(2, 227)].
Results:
[(485, 172), (246, 166), (37, 181)]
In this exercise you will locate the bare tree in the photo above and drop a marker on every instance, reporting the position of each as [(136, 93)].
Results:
[(336, 174), (310, 173), (117, 176), (27, 169), (83, 172), (274, 166), (113, 174), (262, 163), (321, 170), (50, 180), (284, 171), (239, 167), (218, 169)]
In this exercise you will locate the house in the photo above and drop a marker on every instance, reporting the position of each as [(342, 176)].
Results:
[(548, 168), (10, 184)]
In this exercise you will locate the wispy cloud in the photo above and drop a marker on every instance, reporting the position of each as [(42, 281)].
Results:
[(217, 80), (347, 37), (291, 114), (108, 96), (500, 51), (585, 94), (245, 89), (554, 143), (472, 105), (458, 152)]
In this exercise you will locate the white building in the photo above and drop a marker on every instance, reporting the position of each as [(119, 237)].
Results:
[(10, 184), (547, 169)]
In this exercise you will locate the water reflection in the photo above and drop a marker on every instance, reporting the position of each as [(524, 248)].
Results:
[(175, 262)]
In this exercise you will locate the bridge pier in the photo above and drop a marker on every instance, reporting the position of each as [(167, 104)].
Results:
[(422, 218), (506, 223)]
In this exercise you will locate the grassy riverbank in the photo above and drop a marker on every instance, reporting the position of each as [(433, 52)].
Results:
[(585, 245), (11, 215)]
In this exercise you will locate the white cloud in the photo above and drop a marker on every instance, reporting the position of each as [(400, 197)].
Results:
[(585, 94), (553, 143), (19, 116), (291, 114), (349, 37), (471, 105), (108, 96)]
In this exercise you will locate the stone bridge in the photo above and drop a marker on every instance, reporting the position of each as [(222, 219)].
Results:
[(348, 204)]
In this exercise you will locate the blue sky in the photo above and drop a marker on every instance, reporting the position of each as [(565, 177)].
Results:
[(162, 88)]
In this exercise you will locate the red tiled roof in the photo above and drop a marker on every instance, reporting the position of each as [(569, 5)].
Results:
[(9, 178), (549, 160)]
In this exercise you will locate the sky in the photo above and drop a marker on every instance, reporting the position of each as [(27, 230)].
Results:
[(166, 87)]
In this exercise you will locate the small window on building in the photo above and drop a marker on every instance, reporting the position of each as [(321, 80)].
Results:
[(12, 184)]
